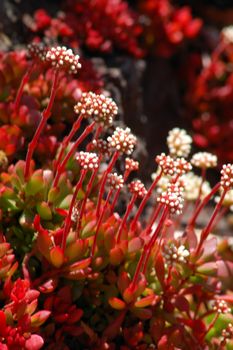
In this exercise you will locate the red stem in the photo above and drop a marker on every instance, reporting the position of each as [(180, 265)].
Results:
[(44, 117), (211, 325), (95, 137), (203, 176), (100, 218), (68, 218), (68, 138), (154, 217), (202, 204), (116, 196), (144, 201), (207, 229), (128, 210), (104, 179), (24, 81), (146, 248), (62, 165), (154, 237), (88, 190)]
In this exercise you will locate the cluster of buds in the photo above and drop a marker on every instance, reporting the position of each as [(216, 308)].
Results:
[(227, 333), (204, 160), (137, 188), (173, 198), (131, 164), (115, 181), (221, 307), (100, 146), (174, 254), (88, 160), (122, 140), (166, 163), (101, 108), (179, 142), (61, 57), (37, 51), (227, 176), (182, 166)]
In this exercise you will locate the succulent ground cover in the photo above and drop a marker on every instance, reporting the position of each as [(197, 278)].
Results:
[(77, 273)]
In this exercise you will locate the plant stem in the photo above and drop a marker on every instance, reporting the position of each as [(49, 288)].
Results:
[(88, 190), (128, 210), (24, 81), (203, 177), (202, 204), (95, 137), (152, 221), (146, 250), (100, 218), (68, 138), (211, 325), (154, 237), (44, 117), (116, 196), (104, 179), (144, 201), (62, 165), (206, 230), (68, 218)]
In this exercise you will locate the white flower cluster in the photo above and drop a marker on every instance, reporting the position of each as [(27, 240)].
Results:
[(221, 307), (179, 142), (75, 214), (204, 160), (122, 140), (174, 254), (115, 181), (101, 108), (227, 333), (166, 163), (136, 187), (101, 146), (192, 183), (182, 166), (37, 51), (227, 32), (173, 198), (88, 160), (61, 57), (131, 164), (227, 176)]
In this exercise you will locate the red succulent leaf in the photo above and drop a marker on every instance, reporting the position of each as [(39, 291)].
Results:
[(123, 282), (135, 244), (49, 286), (75, 316), (39, 318), (142, 314), (144, 302), (2, 323), (113, 329), (35, 342), (160, 268), (117, 303), (57, 257), (182, 303), (116, 256)]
